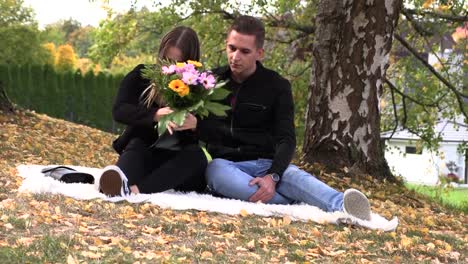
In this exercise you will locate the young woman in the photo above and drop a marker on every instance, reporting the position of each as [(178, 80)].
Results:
[(140, 167)]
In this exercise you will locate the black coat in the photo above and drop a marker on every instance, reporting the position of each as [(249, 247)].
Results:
[(130, 110), (260, 124)]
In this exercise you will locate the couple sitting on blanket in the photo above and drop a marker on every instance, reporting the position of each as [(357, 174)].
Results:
[(252, 146)]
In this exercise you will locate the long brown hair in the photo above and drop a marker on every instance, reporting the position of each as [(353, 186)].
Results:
[(186, 40)]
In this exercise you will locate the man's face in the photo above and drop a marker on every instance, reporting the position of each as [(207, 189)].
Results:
[(242, 54)]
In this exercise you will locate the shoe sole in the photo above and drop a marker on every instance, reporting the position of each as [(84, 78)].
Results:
[(358, 203), (110, 183)]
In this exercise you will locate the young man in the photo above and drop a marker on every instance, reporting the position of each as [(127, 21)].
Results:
[(253, 146)]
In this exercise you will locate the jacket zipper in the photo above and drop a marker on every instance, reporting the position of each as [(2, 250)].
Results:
[(262, 107), (233, 109)]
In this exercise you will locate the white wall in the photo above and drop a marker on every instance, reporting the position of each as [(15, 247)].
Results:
[(422, 168)]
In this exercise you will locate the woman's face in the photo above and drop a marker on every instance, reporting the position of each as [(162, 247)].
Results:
[(174, 54)]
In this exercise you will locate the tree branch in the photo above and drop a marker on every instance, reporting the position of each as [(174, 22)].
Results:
[(458, 94), (449, 17), (395, 112), (433, 104), (416, 25), (419, 29)]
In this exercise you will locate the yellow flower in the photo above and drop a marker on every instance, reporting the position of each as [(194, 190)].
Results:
[(179, 87), (195, 63), (180, 64)]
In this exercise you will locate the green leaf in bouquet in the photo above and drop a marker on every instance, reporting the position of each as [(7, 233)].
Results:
[(219, 94), (203, 112), (177, 117), (216, 108), (220, 84), (196, 106)]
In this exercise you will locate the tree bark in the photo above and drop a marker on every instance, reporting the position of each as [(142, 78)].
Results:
[(5, 103), (350, 58)]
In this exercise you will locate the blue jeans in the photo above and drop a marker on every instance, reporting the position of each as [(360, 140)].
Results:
[(231, 179)]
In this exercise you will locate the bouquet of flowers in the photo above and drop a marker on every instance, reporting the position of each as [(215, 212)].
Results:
[(186, 88)]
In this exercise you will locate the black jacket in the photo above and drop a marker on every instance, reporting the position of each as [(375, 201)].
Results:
[(260, 123), (130, 110)]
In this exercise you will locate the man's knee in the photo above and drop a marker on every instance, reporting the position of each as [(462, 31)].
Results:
[(217, 170), (294, 173)]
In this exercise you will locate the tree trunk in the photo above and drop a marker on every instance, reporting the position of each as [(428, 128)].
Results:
[(5, 103), (350, 57)]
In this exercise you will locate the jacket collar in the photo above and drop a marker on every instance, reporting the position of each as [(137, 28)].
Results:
[(225, 72)]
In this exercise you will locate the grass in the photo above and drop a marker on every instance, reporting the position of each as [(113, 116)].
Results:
[(453, 197)]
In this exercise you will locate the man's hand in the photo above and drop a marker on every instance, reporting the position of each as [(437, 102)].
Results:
[(266, 189)]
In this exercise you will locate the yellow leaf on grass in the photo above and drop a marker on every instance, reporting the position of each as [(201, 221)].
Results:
[(293, 231), (72, 260), (241, 249), (251, 244), (91, 255), (406, 242), (316, 232), (243, 212), (206, 254), (26, 241)]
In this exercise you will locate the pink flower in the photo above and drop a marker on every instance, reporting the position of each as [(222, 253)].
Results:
[(182, 67), (190, 68), (168, 70), (207, 79), (190, 77)]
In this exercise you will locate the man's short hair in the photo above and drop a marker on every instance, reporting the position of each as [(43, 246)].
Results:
[(249, 25)]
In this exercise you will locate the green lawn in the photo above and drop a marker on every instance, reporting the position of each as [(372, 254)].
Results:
[(454, 197)]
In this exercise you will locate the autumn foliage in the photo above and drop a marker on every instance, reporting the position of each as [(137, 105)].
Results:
[(66, 58)]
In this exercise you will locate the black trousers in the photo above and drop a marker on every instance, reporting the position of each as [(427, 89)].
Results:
[(157, 170)]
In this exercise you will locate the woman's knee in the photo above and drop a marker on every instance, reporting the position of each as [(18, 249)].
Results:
[(136, 144)]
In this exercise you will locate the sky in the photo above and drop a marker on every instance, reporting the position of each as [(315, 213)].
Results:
[(85, 11)]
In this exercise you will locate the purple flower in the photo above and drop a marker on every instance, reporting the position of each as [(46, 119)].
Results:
[(168, 70), (207, 79)]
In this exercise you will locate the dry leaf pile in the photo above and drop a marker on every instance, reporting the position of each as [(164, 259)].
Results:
[(57, 229)]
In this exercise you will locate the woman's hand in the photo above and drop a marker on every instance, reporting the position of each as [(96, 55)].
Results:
[(162, 112), (190, 122)]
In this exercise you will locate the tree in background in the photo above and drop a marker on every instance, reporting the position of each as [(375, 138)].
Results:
[(50, 54), (86, 65), (349, 62), (135, 33), (19, 34), (65, 59), (82, 40)]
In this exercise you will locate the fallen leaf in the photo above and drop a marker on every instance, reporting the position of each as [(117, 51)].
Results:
[(251, 244), (243, 213), (91, 255), (206, 254)]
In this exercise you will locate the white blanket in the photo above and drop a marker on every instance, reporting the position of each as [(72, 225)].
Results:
[(35, 182)]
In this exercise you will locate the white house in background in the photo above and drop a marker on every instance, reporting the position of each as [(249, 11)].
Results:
[(424, 167)]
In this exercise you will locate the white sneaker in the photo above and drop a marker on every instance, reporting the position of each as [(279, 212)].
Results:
[(113, 182), (356, 204)]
